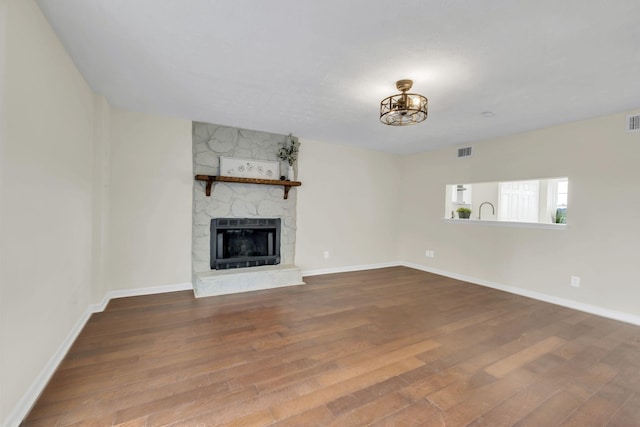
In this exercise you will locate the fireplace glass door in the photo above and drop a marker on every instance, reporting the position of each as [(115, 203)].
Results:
[(244, 242)]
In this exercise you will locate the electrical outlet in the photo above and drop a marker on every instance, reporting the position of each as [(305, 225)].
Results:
[(575, 281), (326, 254), (429, 253)]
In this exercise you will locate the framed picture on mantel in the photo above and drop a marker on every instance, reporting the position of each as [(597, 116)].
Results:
[(249, 168)]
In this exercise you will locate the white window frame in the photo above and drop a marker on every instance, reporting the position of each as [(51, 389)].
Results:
[(519, 201)]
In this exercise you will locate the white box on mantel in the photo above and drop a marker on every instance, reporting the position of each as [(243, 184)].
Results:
[(249, 168)]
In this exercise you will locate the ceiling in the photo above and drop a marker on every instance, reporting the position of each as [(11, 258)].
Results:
[(319, 68)]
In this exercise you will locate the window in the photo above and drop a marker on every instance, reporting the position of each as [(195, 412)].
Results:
[(560, 195), (542, 201), (519, 201)]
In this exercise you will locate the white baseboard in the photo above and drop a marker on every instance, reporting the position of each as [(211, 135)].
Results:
[(33, 392), (29, 398), (587, 308), (349, 268), (123, 293)]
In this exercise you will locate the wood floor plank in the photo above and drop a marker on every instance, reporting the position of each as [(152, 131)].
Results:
[(599, 409), (458, 391), (476, 402), (415, 414), (552, 411), (228, 418), (508, 364), (385, 347), (319, 416), (629, 414), (363, 396), (349, 384), (518, 406), (370, 412)]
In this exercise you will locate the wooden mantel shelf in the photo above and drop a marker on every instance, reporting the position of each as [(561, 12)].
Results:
[(210, 179)]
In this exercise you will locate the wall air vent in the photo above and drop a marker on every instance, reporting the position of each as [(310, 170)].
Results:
[(633, 123), (464, 152)]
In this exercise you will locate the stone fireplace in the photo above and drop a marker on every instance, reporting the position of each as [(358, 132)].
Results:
[(239, 201)]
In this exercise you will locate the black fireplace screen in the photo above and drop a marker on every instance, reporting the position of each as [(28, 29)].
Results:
[(244, 242)]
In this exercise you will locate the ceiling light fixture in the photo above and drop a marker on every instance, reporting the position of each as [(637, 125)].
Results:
[(404, 108)]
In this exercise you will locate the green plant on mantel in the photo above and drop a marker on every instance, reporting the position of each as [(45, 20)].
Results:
[(289, 150)]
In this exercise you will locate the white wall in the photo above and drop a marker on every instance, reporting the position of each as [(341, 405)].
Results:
[(601, 161), (348, 205), (46, 211), (149, 241), (3, 21), (93, 200)]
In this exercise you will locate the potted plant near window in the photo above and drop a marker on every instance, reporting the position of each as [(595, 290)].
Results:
[(463, 213)]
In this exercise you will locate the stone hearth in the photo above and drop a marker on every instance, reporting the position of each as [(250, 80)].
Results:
[(221, 282)]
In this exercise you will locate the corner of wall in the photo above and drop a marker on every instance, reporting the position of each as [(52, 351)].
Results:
[(148, 203), (100, 194)]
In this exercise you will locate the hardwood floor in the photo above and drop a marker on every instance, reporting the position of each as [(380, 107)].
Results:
[(388, 347)]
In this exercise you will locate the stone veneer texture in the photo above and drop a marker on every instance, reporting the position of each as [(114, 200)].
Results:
[(233, 200)]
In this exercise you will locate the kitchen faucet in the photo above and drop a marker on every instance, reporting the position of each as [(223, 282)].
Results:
[(493, 210)]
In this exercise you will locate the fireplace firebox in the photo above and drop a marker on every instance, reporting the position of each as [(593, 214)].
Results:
[(244, 242)]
